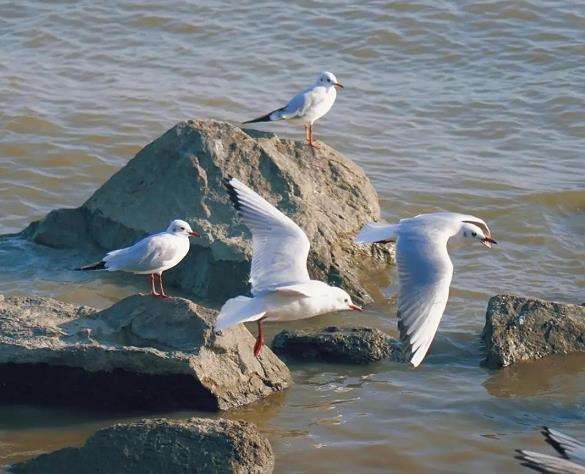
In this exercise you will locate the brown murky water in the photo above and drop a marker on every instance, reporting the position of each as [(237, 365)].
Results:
[(467, 106)]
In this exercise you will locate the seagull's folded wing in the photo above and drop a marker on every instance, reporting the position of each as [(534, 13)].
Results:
[(545, 463), (149, 253), (301, 103), (424, 276), (279, 246), (569, 447)]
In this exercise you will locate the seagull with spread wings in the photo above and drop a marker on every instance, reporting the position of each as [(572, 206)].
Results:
[(307, 106), (424, 268), (281, 287)]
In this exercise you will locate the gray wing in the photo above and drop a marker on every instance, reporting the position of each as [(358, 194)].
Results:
[(300, 103), (548, 464), (424, 275), (148, 254), (279, 247), (568, 447)]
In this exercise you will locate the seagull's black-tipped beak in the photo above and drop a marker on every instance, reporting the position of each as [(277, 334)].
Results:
[(193, 234), (338, 86), (488, 242), (355, 307)]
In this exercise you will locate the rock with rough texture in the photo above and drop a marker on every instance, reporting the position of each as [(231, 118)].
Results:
[(341, 345), (162, 446), (141, 353), (179, 175), (518, 329)]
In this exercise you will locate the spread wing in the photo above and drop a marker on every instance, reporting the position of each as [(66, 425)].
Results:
[(568, 447), (148, 254), (424, 276), (279, 247), (548, 464)]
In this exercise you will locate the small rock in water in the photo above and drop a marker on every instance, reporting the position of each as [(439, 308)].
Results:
[(161, 446), (518, 329), (141, 353), (341, 345)]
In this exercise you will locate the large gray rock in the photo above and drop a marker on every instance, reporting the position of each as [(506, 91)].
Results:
[(179, 175), (518, 329), (340, 345), (162, 446), (142, 352)]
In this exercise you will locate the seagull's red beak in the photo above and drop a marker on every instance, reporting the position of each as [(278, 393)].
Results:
[(355, 307), (338, 86), (193, 234), (488, 242)]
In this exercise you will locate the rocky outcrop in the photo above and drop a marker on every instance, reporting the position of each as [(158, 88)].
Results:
[(162, 446), (341, 345), (518, 329), (179, 175), (142, 353)]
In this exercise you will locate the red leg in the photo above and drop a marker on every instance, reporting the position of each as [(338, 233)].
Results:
[(312, 144), (153, 291), (306, 133), (162, 290), (259, 340)]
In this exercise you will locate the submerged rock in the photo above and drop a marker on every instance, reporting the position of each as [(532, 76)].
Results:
[(162, 446), (342, 345), (518, 329), (180, 174), (142, 352)]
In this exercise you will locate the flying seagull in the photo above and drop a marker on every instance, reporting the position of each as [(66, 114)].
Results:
[(571, 450), (281, 287), (307, 106), (150, 256), (424, 268)]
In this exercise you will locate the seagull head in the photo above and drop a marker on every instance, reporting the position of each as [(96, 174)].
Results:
[(328, 79), (179, 227), (476, 229), (341, 301)]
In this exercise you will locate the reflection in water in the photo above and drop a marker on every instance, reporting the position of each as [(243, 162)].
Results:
[(545, 376)]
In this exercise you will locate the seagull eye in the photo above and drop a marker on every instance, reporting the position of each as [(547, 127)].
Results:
[(346, 300), (474, 234), (182, 228)]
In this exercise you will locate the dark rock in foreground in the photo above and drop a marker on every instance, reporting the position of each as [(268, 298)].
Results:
[(341, 345), (142, 353), (179, 175), (518, 329), (162, 446)]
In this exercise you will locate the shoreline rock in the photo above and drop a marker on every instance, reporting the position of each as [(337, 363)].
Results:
[(519, 329), (141, 353), (161, 446), (179, 175), (359, 345)]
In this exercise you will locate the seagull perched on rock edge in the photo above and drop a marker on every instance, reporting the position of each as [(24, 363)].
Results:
[(307, 106), (571, 450), (424, 268), (150, 256), (281, 287)]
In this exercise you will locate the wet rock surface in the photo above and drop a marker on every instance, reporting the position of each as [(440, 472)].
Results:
[(141, 353), (179, 175), (340, 345), (161, 446), (519, 329)]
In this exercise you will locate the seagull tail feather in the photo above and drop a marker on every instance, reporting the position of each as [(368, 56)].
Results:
[(96, 266), (374, 232), (271, 117)]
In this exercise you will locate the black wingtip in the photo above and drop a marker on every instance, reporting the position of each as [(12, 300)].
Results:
[(264, 118), (96, 266), (232, 192), (548, 437)]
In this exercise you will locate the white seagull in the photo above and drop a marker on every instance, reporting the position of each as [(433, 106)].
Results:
[(150, 256), (281, 287), (307, 106), (424, 268), (571, 450)]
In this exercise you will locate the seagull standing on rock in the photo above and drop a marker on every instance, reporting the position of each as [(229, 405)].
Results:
[(307, 106), (151, 256), (424, 268), (281, 287)]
